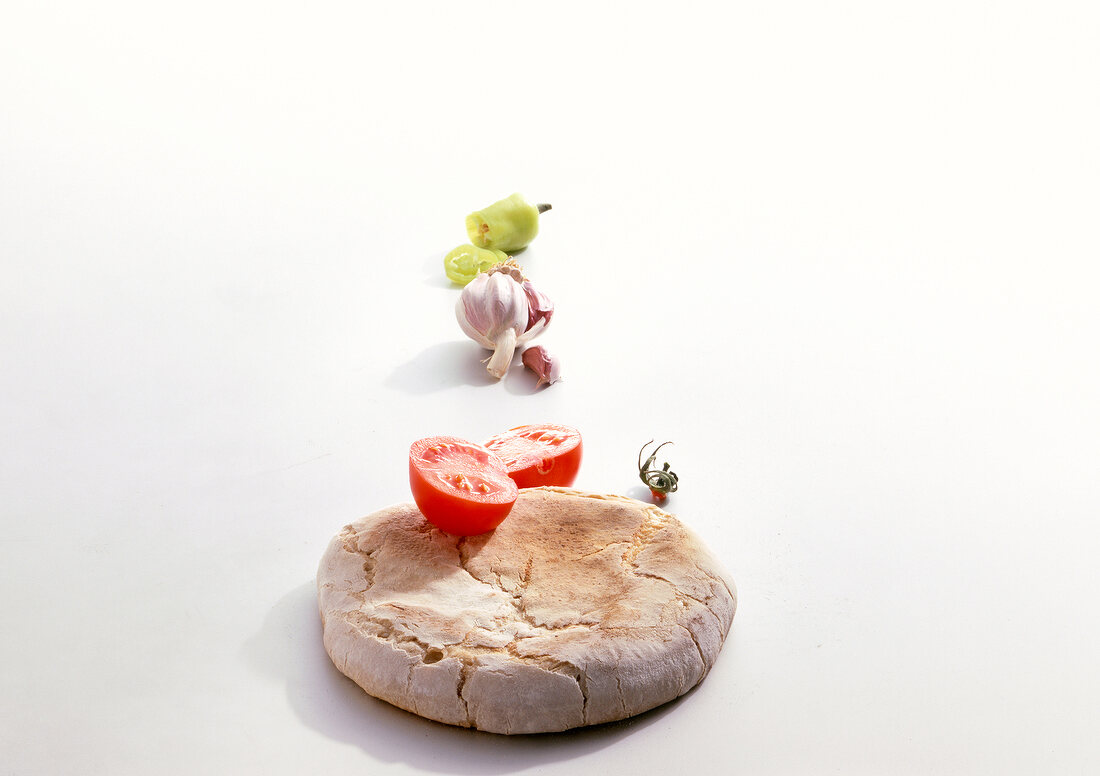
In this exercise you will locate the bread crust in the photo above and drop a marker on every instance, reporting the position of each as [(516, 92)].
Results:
[(579, 609)]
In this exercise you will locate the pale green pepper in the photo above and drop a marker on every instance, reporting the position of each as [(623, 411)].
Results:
[(509, 225), (465, 262)]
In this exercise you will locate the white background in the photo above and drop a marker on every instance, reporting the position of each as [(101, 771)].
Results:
[(845, 255)]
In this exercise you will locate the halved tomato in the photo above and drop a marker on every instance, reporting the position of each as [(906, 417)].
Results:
[(539, 454), (460, 487)]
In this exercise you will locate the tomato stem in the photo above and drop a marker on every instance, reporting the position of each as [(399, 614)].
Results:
[(660, 481)]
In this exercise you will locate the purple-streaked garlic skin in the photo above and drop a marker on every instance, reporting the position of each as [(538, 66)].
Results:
[(545, 366), (488, 305), (540, 311)]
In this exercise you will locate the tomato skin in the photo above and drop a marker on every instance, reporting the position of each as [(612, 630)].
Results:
[(459, 487), (540, 454)]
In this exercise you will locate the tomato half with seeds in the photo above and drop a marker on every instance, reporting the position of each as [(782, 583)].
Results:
[(540, 454), (459, 486)]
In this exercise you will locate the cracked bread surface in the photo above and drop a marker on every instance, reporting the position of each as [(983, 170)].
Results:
[(578, 609)]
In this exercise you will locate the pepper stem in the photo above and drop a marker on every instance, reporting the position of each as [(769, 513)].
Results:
[(542, 207)]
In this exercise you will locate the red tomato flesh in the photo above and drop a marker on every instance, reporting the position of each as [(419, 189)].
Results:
[(460, 487), (540, 454)]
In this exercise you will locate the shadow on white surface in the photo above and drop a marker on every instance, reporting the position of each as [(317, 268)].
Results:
[(288, 646), (642, 493), (441, 366), (521, 381), (450, 364)]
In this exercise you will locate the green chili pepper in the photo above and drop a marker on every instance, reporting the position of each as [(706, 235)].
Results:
[(465, 262), (509, 225)]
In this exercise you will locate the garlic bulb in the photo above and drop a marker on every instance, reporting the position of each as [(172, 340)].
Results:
[(499, 310)]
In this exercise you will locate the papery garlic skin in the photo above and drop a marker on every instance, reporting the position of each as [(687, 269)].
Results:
[(493, 311), (540, 311)]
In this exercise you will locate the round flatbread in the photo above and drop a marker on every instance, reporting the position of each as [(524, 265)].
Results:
[(579, 609)]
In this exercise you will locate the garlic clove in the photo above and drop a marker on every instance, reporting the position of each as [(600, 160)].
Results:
[(540, 311), (502, 354), (544, 365)]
